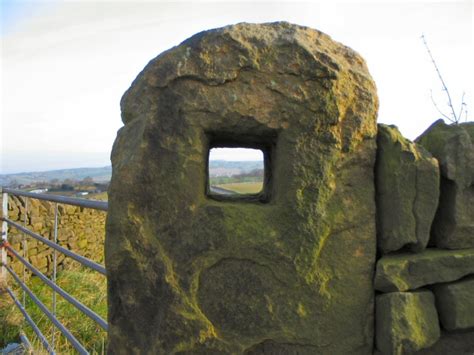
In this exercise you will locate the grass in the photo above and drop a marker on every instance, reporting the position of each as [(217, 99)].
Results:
[(10, 319), (243, 187), (101, 196), (85, 285)]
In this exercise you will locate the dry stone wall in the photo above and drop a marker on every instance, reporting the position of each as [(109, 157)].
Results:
[(425, 301), (291, 270), (453, 147), (79, 229), (407, 178), (356, 225)]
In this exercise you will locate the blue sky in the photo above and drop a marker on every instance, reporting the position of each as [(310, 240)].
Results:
[(14, 11), (10, 11), (66, 64)]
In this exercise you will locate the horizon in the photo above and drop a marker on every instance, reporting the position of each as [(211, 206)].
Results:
[(65, 65), (98, 166), (110, 166), (56, 170)]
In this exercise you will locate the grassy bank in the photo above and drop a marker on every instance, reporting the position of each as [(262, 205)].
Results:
[(243, 187), (85, 285)]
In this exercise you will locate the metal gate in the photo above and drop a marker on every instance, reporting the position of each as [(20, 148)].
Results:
[(6, 270)]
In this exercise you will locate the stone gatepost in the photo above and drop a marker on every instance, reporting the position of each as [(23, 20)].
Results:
[(288, 271)]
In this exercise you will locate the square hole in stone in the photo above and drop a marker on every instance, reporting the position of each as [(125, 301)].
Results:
[(236, 172)]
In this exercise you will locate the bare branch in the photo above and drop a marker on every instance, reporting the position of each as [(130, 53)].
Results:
[(437, 108), (455, 119), (462, 105)]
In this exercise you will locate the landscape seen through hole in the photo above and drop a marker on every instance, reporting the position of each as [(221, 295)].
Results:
[(236, 171)]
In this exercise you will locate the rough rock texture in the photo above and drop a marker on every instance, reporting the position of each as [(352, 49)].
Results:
[(404, 272), (455, 304), (407, 183), (290, 270), (405, 322), (81, 230), (461, 343), (453, 146)]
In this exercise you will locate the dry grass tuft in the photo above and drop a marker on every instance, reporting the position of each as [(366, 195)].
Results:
[(85, 285)]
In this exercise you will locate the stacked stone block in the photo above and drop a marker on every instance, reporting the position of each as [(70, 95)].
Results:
[(456, 304), (426, 294), (406, 321), (79, 229), (189, 274), (407, 192), (453, 147)]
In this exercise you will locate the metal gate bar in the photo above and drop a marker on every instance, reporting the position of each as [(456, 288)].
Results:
[(77, 345), (84, 309), (79, 258), (5, 247), (81, 202), (38, 332)]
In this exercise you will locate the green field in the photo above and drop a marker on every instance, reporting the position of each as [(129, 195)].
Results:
[(101, 196), (87, 286), (243, 187)]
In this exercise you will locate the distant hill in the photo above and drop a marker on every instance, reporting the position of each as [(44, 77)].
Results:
[(98, 174), (103, 174), (228, 167)]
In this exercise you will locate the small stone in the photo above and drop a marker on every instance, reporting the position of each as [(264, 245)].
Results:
[(406, 322), (453, 146), (455, 303), (14, 349), (403, 272), (32, 251), (452, 344), (37, 226), (17, 267), (407, 180), (82, 244)]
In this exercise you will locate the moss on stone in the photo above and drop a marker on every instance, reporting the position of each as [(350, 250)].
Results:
[(455, 303), (407, 181), (406, 271), (189, 274), (406, 322), (453, 146)]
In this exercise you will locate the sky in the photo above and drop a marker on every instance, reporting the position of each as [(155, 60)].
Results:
[(235, 154), (64, 65)]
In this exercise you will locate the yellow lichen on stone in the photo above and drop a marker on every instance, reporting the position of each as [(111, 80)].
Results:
[(276, 272)]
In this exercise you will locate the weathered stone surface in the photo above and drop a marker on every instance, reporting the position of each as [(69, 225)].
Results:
[(461, 343), (407, 182), (190, 274), (453, 146), (402, 272), (405, 322), (455, 303)]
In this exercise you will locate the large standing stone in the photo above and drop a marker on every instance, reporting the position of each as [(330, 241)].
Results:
[(293, 270), (402, 272), (405, 322), (453, 146), (407, 180), (455, 303)]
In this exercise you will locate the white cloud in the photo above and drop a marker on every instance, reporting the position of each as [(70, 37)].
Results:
[(66, 65)]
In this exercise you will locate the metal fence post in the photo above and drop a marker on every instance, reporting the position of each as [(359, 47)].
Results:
[(25, 247), (4, 235), (51, 281), (53, 342)]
